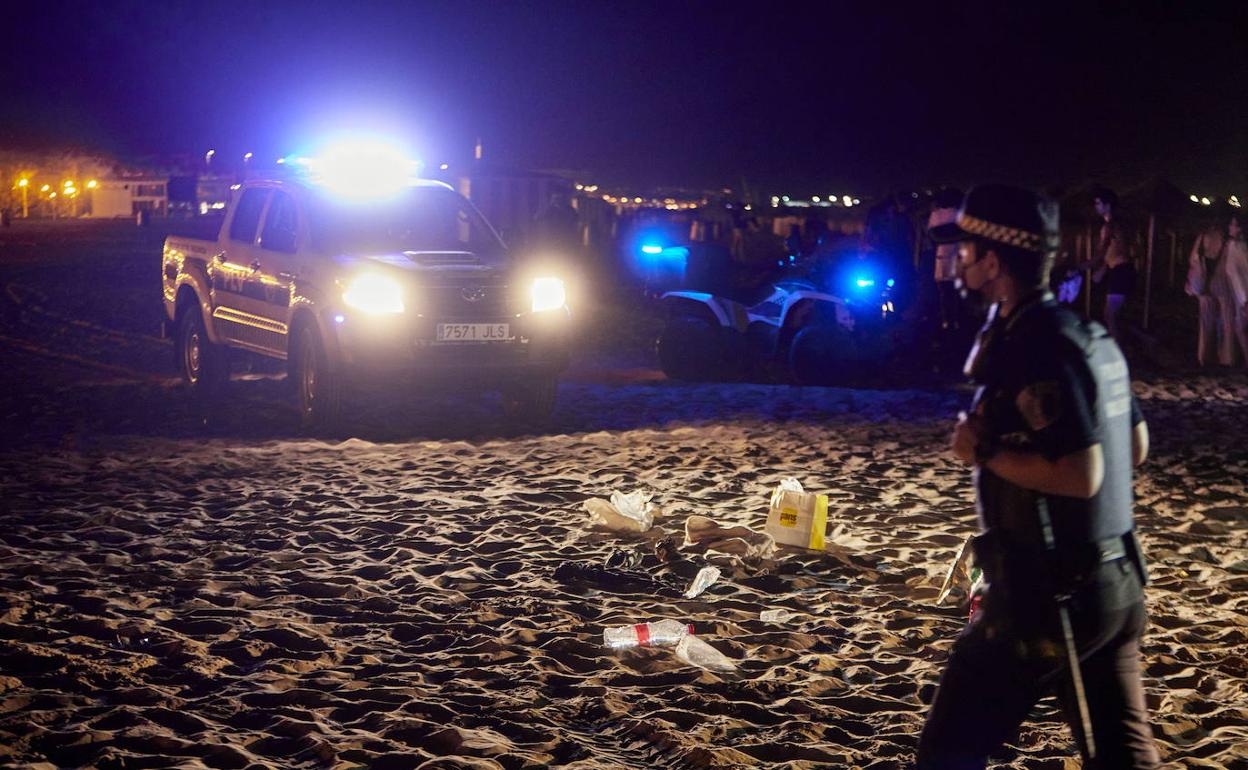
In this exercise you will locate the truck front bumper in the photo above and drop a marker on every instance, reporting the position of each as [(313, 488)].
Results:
[(376, 353)]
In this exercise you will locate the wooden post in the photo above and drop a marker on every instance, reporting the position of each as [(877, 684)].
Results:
[(1174, 254), (1148, 267)]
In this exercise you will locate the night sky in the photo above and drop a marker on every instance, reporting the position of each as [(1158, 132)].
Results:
[(811, 99)]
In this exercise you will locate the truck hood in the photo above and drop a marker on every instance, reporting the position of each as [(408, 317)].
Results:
[(434, 263)]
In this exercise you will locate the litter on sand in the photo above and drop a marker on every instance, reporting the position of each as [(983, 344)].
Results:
[(631, 512)]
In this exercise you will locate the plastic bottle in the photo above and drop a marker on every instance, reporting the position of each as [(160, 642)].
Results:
[(665, 633), (696, 652), (704, 579), (776, 616)]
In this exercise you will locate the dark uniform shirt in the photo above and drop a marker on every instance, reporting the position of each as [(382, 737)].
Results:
[(1054, 385)]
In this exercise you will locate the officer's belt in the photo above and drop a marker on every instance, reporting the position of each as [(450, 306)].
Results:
[(995, 554)]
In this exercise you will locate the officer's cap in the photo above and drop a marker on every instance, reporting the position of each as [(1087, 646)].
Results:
[(1005, 214)]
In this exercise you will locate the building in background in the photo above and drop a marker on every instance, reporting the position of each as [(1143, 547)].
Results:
[(114, 198)]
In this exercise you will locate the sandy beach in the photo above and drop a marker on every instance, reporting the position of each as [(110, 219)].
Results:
[(176, 592)]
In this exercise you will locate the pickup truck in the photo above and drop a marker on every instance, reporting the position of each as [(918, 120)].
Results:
[(412, 290)]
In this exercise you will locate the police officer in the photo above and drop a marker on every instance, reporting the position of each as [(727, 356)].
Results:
[(1053, 435)]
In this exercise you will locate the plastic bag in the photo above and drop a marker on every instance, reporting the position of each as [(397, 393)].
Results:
[(624, 513), (705, 578), (791, 484), (635, 505)]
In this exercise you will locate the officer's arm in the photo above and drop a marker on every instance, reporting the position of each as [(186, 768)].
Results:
[(1078, 474), (1139, 443)]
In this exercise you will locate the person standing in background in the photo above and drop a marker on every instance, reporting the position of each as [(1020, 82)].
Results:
[(1112, 266), (1201, 267), (1229, 286)]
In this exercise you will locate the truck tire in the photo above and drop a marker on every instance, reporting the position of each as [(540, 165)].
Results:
[(203, 364), (318, 391), (532, 402), (822, 355), (694, 349)]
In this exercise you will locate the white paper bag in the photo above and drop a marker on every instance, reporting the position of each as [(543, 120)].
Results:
[(798, 518)]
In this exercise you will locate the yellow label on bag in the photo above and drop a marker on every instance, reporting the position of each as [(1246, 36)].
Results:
[(820, 522), (788, 517)]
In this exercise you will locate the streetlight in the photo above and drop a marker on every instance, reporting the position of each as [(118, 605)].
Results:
[(208, 158), (24, 183), (92, 184)]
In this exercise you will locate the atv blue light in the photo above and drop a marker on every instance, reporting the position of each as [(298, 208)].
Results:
[(890, 283), (865, 282), (651, 249)]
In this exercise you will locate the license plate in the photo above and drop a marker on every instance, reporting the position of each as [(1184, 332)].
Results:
[(473, 332)]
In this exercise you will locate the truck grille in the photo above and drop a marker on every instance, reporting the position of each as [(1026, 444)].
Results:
[(470, 301)]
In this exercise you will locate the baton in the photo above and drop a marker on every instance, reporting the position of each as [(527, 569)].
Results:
[(1068, 635)]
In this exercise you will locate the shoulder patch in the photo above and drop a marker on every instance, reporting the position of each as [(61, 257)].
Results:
[(1040, 404)]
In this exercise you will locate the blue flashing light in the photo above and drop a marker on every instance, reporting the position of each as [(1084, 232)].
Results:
[(651, 249), (891, 282), (865, 282)]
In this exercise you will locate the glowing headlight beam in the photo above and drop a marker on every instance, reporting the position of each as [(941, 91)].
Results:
[(374, 294), (548, 294)]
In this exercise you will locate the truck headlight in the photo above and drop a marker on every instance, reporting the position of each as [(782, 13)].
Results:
[(374, 294), (548, 294)]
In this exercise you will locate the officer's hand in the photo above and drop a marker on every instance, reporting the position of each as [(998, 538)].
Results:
[(965, 438)]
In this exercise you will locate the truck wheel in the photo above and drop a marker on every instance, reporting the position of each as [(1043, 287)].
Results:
[(203, 364), (693, 349), (822, 355), (530, 403), (317, 389)]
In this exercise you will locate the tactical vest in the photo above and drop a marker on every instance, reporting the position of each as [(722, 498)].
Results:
[(1042, 327)]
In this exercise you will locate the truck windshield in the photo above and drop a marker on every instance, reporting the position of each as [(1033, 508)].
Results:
[(425, 219)]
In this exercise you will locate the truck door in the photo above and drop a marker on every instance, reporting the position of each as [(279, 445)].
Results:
[(279, 243), (237, 309)]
